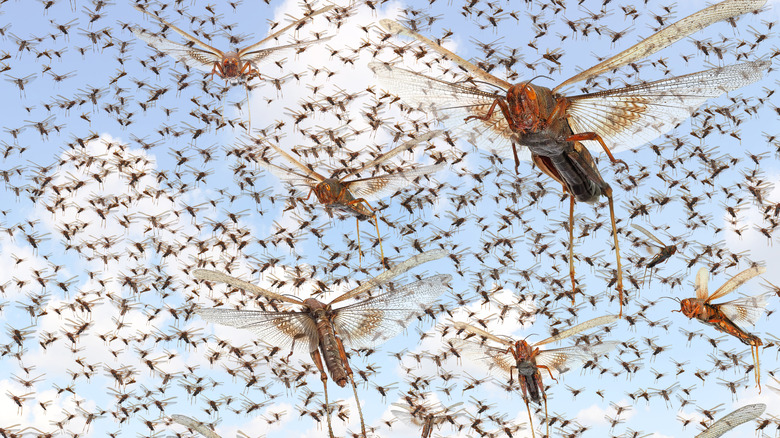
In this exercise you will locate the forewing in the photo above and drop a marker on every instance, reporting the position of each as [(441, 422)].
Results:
[(629, 117), (256, 57), (382, 186), (193, 57), (563, 359), (376, 320), (451, 103), (669, 35), (398, 29), (279, 329), (736, 281), (210, 275), (745, 310), (701, 284), (497, 360), (648, 234), (400, 268), (733, 419), (295, 24), (195, 425), (595, 322)]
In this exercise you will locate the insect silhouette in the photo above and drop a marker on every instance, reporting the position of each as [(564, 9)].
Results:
[(732, 420), (524, 359), (664, 253), (725, 316), (236, 66), (323, 329), (352, 195), (426, 415), (556, 131)]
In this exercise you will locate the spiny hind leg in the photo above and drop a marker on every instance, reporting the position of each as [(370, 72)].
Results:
[(315, 355), (608, 194), (571, 248), (595, 137), (343, 356), (376, 223)]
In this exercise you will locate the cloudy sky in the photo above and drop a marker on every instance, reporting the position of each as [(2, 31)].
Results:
[(124, 170)]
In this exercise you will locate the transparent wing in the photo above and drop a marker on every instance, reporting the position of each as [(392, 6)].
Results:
[(497, 360), (382, 186), (746, 310), (451, 103), (632, 116), (376, 320), (736, 281), (400, 268), (669, 35), (199, 59), (595, 322), (732, 420), (398, 29), (274, 328), (289, 175), (210, 275), (648, 234), (295, 24), (184, 34), (257, 56), (195, 425), (395, 151), (702, 277), (563, 359)]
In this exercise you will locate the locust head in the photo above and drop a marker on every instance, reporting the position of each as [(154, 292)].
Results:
[(691, 307), (523, 102), (328, 191)]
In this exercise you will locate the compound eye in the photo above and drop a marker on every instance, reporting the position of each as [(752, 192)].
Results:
[(530, 92)]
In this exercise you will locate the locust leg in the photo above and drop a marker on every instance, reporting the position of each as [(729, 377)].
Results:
[(757, 366), (571, 248), (315, 355), (502, 105), (545, 367), (596, 137), (546, 418), (217, 70), (523, 384), (343, 355), (608, 194), (361, 201)]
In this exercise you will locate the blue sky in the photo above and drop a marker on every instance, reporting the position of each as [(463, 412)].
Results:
[(125, 204)]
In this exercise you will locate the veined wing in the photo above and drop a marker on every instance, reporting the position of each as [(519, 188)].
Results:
[(381, 186), (209, 275), (648, 234), (702, 277), (184, 34), (451, 103), (193, 57), (275, 328), (258, 55), (288, 175), (632, 116), (669, 35), (732, 420), (305, 169), (254, 47), (563, 359), (376, 320), (405, 146), (195, 425), (744, 310), (398, 29), (595, 322), (400, 268), (736, 281), (497, 360)]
